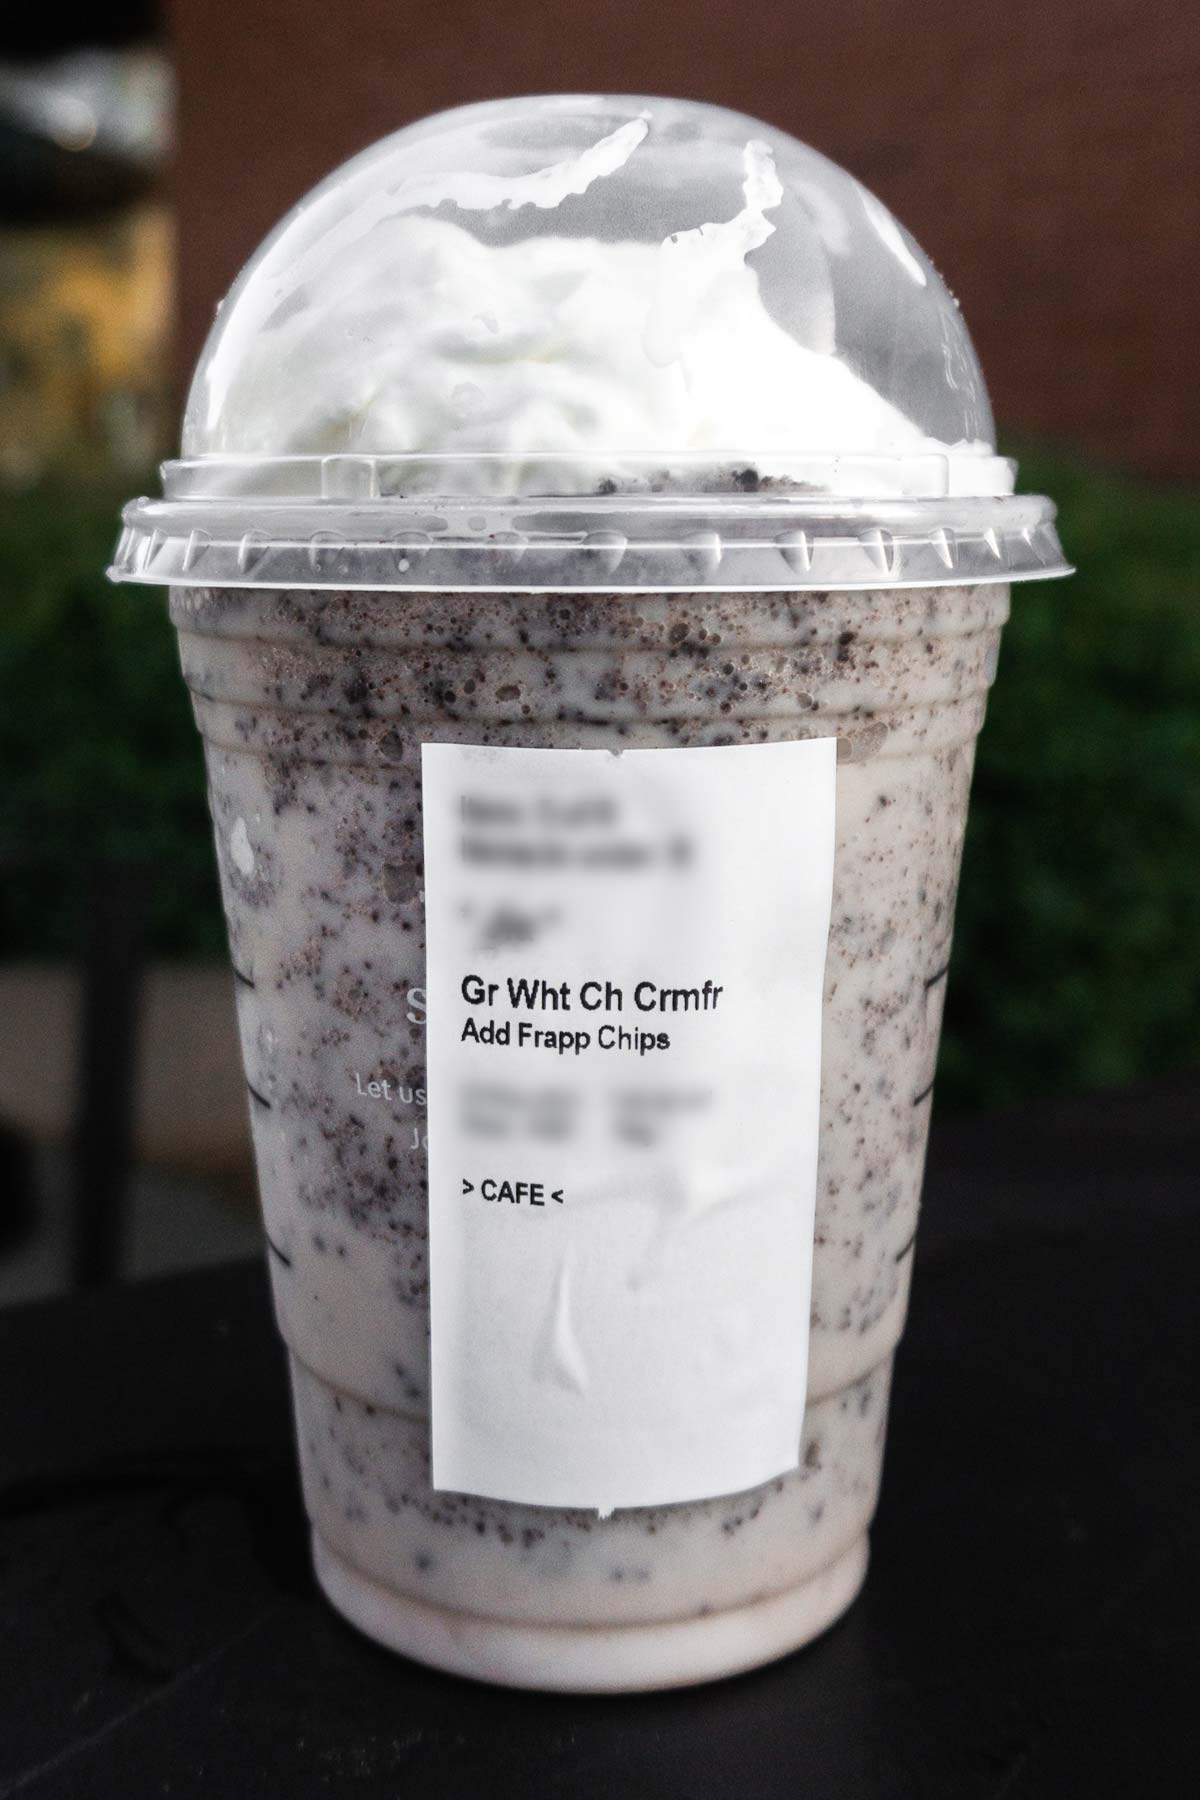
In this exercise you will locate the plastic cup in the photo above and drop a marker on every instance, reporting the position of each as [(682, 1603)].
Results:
[(339, 609)]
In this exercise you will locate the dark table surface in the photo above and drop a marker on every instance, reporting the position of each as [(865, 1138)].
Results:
[(1029, 1626)]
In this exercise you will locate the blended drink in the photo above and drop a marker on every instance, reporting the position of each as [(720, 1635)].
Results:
[(521, 527)]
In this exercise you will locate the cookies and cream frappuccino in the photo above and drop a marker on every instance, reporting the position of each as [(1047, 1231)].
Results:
[(615, 425)]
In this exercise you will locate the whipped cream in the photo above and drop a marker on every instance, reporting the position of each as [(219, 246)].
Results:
[(550, 364)]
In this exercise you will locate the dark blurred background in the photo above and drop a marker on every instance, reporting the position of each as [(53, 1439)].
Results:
[(1045, 155)]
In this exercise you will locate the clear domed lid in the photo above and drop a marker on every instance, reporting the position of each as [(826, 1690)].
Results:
[(546, 292), (617, 301)]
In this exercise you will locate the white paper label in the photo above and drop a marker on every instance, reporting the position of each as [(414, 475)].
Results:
[(625, 965)]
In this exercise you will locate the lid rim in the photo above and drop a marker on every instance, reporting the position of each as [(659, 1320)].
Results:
[(534, 547)]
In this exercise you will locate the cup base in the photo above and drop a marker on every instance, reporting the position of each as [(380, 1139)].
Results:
[(593, 1659)]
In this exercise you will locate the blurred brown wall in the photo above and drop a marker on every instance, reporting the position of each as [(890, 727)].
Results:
[(1044, 152)]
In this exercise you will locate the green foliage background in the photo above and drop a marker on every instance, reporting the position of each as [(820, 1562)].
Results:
[(1076, 956), (1076, 959), (100, 760)]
